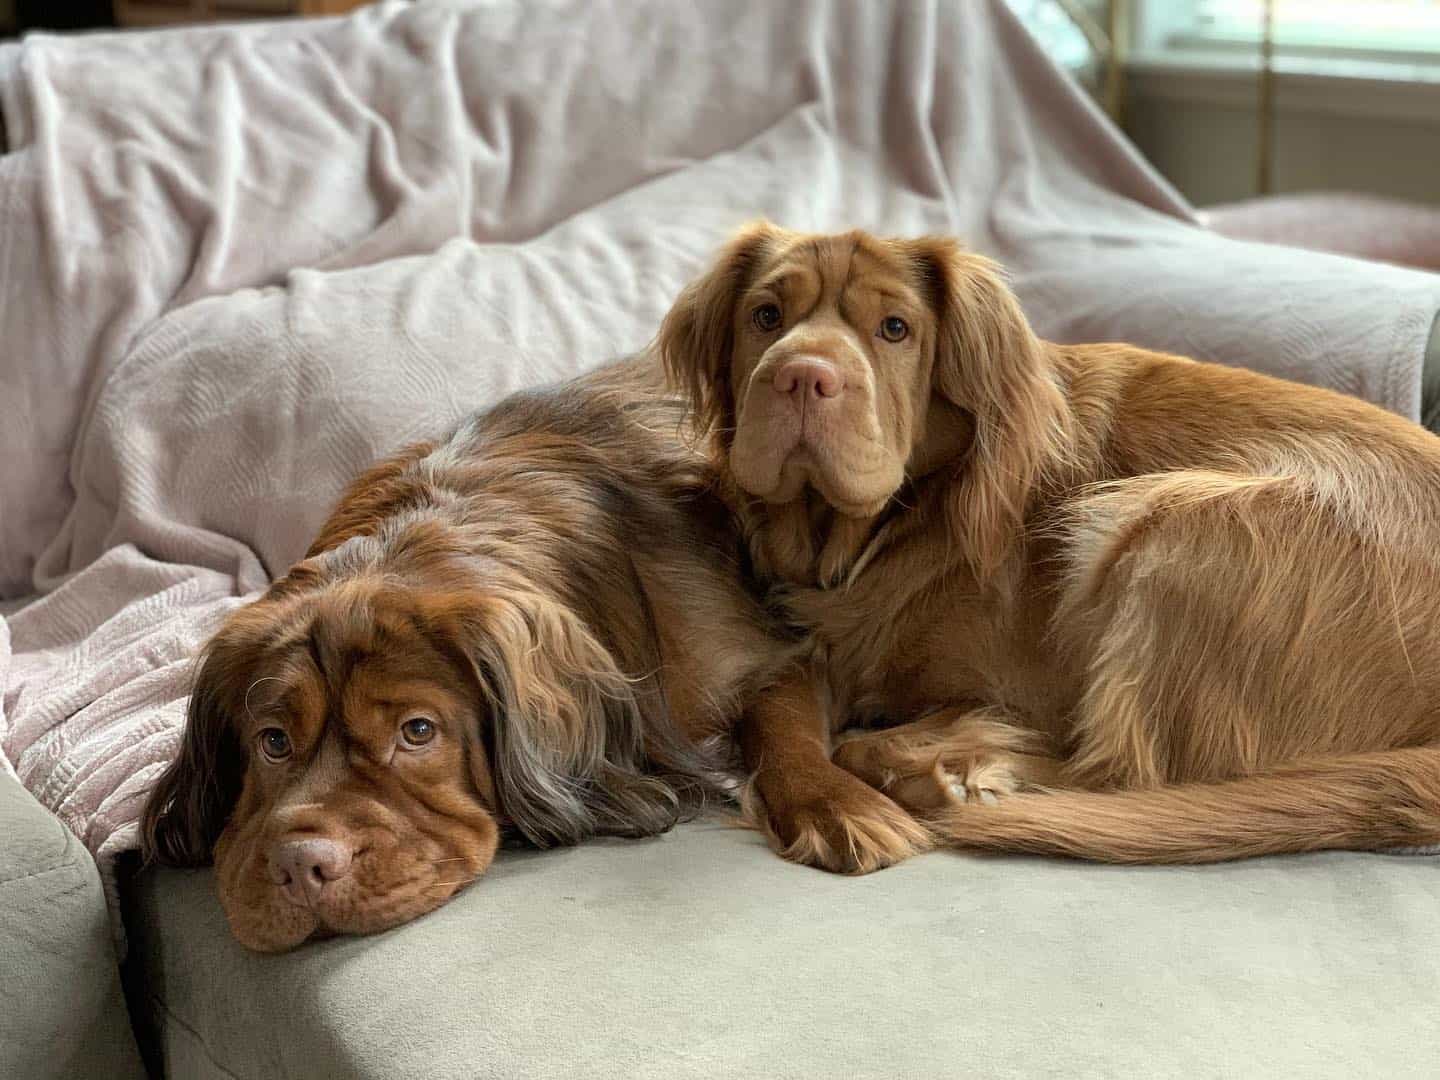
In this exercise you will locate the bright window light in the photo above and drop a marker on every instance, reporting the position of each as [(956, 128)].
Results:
[(1336, 26)]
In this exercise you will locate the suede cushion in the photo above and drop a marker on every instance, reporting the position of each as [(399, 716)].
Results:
[(700, 954), (61, 1013)]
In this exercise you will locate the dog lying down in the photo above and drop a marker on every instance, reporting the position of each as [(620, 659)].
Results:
[(1121, 605), (1215, 594), (540, 623)]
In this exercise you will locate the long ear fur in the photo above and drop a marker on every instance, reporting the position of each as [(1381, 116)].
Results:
[(189, 806), (568, 736), (697, 334), (990, 363)]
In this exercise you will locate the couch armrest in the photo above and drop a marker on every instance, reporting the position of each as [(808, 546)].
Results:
[(61, 1011), (1430, 380)]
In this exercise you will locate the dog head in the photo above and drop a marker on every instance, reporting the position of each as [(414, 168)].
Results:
[(358, 737), (843, 364)]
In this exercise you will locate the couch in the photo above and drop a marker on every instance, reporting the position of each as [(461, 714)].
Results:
[(61, 1010), (239, 263)]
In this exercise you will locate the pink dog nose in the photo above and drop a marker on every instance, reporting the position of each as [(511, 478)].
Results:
[(817, 378), (302, 868)]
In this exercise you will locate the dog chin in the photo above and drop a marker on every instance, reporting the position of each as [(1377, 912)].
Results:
[(773, 459), (284, 929), (848, 492), (857, 504), (856, 496), (280, 926)]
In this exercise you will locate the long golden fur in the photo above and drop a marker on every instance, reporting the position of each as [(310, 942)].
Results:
[(1212, 595), (541, 623)]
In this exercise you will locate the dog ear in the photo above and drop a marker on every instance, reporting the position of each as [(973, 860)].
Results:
[(190, 805), (991, 364), (697, 334), (566, 745)]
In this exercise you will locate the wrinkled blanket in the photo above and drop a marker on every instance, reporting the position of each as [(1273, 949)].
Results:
[(171, 443)]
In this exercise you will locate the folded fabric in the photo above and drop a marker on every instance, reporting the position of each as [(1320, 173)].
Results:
[(146, 171)]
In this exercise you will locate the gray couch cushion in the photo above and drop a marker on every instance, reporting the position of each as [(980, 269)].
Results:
[(1430, 380), (61, 1013), (702, 955)]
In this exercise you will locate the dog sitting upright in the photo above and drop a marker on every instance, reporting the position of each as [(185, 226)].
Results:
[(1216, 594)]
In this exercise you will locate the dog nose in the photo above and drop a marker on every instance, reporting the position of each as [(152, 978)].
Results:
[(809, 378), (302, 868)]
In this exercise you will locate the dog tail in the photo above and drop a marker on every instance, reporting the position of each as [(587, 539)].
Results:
[(1374, 801)]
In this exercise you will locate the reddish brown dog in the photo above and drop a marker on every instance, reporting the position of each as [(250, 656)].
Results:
[(1215, 594), (541, 622)]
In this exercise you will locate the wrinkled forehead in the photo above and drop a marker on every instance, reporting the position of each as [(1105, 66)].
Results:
[(322, 669), (853, 269)]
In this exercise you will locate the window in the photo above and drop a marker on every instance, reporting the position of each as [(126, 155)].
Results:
[(1070, 43), (1391, 30)]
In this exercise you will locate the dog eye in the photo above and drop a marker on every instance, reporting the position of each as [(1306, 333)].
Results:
[(894, 329), (274, 744), (417, 731), (767, 317)]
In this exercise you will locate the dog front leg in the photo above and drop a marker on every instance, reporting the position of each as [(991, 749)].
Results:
[(813, 811)]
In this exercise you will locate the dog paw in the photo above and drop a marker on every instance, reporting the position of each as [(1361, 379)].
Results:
[(986, 781), (941, 786), (844, 826), (936, 764)]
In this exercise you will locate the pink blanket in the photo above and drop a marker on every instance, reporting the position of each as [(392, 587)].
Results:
[(164, 457)]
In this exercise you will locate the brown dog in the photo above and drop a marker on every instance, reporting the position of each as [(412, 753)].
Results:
[(1218, 594), (542, 622)]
